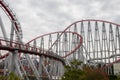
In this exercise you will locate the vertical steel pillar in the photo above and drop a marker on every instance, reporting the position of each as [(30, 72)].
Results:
[(97, 44), (40, 68), (111, 43), (22, 68), (6, 38), (65, 44), (82, 51), (17, 66), (58, 65), (44, 68), (33, 67), (51, 67), (104, 43), (59, 45), (90, 42), (13, 59), (111, 47), (14, 64), (117, 42), (3, 29), (74, 42), (10, 63), (50, 42)]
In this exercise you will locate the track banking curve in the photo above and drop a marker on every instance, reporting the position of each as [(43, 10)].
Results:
[(12, 17), (93, 41), (69, 52), (103, 37), (18, 46), (26, 49), (71, 27)]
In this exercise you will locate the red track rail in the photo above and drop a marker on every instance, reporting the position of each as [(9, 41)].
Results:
[(110, 64), (13, 19), (10, 14), (26, 49), (89, 20), (69, 53), (32, 50), (3, 56)]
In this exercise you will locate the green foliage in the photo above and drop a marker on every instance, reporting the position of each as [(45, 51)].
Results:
[(113, 77), (118, 77), (74, 72), (12, 76), (94, 74)]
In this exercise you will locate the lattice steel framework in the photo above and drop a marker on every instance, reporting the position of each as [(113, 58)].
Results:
[(47, 63), (101, 41), (91, 41)]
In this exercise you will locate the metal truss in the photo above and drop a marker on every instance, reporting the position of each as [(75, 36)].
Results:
[(101, 44), (92, 41)]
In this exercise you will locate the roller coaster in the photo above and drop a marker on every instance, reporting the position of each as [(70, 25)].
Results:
[(94, 42)]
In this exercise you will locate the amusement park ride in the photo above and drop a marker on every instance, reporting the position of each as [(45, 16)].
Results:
[(94, 42)]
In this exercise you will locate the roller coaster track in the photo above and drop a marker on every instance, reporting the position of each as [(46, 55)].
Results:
[(16, 24), (91, 41), (41, 50), (27, 49), (16, 47), (62, 40), (11, 16), (101, 42)]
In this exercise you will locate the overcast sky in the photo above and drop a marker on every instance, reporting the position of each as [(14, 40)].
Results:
[(38, 17)]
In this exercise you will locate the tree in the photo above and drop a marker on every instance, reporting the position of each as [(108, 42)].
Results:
[(12, 76), (75, 71), (95, 74), (118, 77)]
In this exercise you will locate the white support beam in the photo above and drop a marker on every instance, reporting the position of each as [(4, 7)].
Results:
[(32, 66), (3, 29)]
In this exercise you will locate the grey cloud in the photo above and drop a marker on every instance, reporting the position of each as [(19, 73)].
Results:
[(43, 16)]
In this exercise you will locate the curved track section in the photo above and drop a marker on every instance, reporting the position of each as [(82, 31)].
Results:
[(46, 62), (64, 46), (28, 50), (42, 67), (99, 43), (100, 39), (12, 17), (49, 60), (15, 28)]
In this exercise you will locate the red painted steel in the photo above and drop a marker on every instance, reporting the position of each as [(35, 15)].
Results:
[(11, 16), (77, 47), (26, 49)]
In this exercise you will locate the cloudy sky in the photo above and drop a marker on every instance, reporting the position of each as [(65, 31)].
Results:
[(38, 17)]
